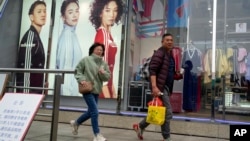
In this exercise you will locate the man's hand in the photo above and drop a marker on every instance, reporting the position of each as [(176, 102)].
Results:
[(155, 91)]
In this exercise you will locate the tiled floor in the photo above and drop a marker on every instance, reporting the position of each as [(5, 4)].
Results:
[(40, 131)]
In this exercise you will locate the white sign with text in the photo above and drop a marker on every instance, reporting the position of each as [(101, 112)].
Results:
[(16, 113), (3, 82)]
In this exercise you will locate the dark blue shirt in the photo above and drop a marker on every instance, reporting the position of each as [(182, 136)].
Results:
[(171, 71)]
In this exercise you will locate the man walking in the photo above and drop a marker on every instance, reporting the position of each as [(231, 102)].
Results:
[(162, 70)]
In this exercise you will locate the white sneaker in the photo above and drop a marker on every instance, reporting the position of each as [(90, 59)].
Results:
[(99, 137), (74, 127)]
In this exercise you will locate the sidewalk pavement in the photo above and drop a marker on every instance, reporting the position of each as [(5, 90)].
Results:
[(40, 131)]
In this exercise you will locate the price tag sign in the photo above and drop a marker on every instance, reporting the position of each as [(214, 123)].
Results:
[(16, 114)]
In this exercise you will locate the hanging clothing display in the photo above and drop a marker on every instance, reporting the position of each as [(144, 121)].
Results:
[(176, 52), (221, 65), (247, 75), (236, 63), (230, 60), (195, 56), (234, 76), (242, 53), (192, 65), (189, 88)]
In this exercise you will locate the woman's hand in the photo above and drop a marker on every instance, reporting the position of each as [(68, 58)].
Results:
[(83, 83), (101, 70)]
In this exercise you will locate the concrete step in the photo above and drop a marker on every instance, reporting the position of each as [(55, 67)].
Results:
[(40, 131), (125, 120)]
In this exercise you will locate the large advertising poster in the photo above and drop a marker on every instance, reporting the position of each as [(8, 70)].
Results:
[(33, 43), (2, 6), (78, 24), (177, 13), (150, 17)]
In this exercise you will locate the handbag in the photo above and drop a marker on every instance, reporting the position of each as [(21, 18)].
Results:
[(86, 88), (156, 114)]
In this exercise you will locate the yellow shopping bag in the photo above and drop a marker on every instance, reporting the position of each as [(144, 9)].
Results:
[(156, 115)]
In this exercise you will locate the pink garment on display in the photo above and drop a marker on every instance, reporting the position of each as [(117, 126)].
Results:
[(176, 52), (242, 53)]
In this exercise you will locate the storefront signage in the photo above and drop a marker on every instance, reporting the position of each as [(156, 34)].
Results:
[(241, 27)]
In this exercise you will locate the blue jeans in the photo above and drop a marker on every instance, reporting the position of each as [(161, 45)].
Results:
[(91, 100)]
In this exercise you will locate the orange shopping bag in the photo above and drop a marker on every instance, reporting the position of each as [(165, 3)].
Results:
[(156, 101)]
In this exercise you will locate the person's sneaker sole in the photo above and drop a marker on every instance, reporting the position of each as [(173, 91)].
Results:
[(136, 128)]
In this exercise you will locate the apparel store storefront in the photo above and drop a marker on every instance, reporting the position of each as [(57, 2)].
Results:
[(214, 64), (219, 92), (224, 57)]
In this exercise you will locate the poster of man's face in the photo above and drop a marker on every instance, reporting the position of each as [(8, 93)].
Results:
[(76, 17), (43, 20), (33, 44), (1, 1), (2, 6)]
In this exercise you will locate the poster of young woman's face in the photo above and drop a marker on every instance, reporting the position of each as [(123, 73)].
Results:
[(39, 16), (2, 6), (68, 48)]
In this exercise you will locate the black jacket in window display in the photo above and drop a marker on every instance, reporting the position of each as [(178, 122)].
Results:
[(30, 56)]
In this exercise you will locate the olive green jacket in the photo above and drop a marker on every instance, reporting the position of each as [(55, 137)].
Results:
[(88, 70)]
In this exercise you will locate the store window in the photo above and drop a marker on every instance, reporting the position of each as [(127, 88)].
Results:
[(228, 96)]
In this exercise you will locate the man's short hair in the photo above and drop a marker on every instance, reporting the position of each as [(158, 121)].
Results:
[(166, 34)]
